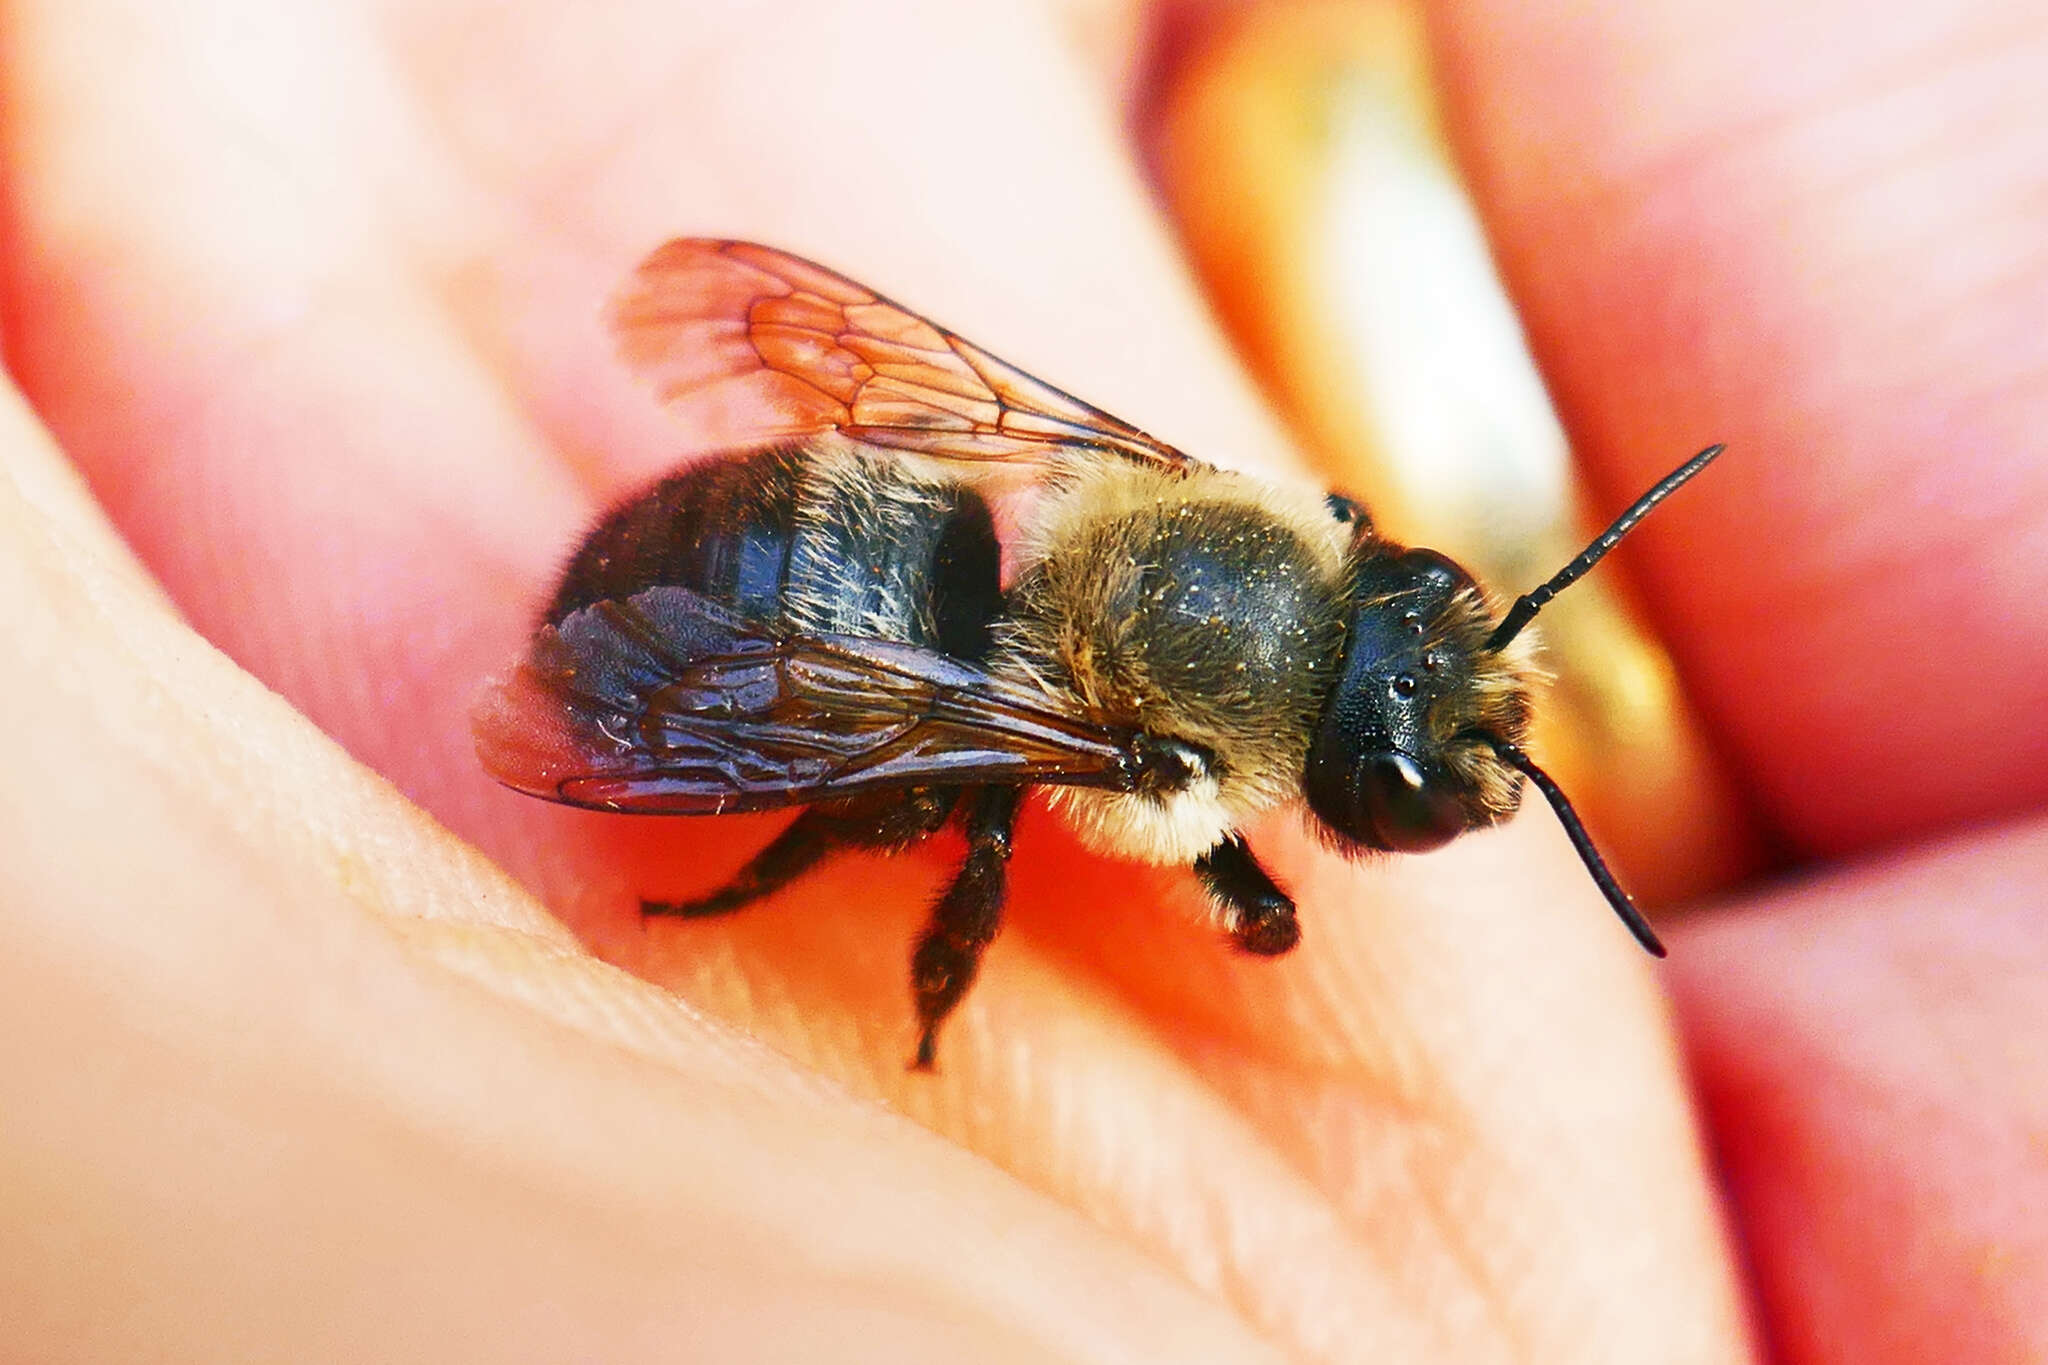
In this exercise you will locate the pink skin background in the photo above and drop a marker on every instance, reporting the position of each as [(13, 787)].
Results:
[(308, 295)]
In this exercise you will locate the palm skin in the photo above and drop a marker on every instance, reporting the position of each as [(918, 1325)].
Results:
[(310, 298)]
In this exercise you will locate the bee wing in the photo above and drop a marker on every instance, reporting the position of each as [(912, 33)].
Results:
[(820, 352), (666, 703)]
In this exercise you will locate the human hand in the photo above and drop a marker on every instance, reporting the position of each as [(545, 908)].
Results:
[(333, 366)]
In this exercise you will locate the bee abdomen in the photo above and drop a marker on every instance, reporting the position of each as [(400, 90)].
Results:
[(823, 542), (882, 553), (720, 526)]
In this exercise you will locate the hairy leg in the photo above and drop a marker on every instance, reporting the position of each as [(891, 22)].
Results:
[(812, 837), (966, 917), (1259, 915)]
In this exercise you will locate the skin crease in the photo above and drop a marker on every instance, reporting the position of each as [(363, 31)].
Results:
[(329, 1085)]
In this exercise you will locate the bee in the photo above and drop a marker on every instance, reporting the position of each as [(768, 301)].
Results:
[(824, 618)]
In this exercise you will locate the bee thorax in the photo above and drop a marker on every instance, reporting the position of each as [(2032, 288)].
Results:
[(1206, 612)]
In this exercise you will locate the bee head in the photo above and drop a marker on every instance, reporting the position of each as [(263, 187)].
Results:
[(1404, 756), (1421, 737)]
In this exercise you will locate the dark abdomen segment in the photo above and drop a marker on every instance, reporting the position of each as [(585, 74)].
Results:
[(834, 542)]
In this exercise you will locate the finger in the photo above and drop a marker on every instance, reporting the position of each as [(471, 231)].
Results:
[(1867, 1051), (1817, 238), (1464, 1249)]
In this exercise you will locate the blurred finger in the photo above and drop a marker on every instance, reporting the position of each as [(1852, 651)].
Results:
[(1868, 1050), (1813, 234)]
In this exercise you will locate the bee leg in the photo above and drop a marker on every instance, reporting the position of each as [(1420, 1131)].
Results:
[(811, 837), (965, 919), (895, 822), (815, 835), (1259, 915)]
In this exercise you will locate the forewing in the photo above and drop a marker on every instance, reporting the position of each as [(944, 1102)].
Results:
[(708, 320), (665, 703)]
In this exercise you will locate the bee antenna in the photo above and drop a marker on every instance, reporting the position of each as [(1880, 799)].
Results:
[(1513, 756), (1529, 603)]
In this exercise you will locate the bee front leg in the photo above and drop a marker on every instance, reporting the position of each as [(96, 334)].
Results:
[(1259, 915), (966, 917)]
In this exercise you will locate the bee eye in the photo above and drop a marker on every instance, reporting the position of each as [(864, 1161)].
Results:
[(1405, 685), (1406, 811)]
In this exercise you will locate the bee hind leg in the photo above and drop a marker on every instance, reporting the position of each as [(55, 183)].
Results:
[(965, 919), (821, 831), (795, 851), (1259, 915)]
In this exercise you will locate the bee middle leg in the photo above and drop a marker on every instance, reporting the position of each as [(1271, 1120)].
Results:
[(892, 823), (1259, 915), (966, 918)]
